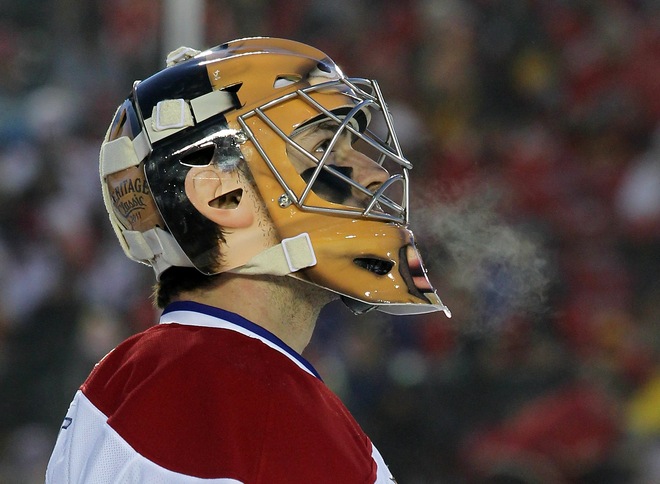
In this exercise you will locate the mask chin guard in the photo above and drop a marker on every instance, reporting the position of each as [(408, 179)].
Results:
[(357, 307)]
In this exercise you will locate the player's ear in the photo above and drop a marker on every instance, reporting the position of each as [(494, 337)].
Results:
[(218, 195)]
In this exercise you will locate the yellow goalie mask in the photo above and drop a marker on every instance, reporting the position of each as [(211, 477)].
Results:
[(259, 156)]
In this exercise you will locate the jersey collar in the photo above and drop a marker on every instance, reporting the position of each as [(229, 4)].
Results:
[(196, 314)]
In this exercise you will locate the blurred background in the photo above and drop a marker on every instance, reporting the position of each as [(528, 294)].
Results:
[(535, 130)]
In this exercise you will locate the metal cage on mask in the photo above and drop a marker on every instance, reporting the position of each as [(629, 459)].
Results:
[(353, 119)]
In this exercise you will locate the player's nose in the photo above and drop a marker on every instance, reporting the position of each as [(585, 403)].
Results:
[(364, 170)]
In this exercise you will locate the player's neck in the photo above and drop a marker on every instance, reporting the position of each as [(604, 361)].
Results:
[(284, 306)]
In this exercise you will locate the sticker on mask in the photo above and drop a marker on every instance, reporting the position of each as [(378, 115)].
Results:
[(131, 199)]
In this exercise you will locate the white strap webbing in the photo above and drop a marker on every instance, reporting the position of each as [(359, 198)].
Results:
[(122, 153), (289, 256), (157, 247), (170, 116), (210, 104)]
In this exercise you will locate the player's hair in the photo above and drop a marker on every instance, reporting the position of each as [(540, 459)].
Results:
[(176, 280)]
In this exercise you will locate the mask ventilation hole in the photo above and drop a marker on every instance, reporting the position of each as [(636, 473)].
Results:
[(228, 201), (200, 157), (377, 266), (286, 80)]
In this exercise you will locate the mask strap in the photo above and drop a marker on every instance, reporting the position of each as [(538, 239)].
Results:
[(289, 256), (156, 247)]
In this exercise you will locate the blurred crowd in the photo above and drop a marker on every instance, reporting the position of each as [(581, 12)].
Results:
[(534, 127)]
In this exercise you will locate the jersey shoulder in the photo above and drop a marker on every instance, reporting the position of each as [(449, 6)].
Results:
[(213, 402)]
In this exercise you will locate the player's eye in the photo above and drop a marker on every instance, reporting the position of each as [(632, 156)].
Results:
[(322, 147)]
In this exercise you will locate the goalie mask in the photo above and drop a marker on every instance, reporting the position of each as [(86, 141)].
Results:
[(260, 157)]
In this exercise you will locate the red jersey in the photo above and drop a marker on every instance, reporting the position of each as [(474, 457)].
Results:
[(208, 395)]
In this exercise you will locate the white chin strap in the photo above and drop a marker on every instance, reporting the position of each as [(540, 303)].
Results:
[(289, 256), (159, 249)]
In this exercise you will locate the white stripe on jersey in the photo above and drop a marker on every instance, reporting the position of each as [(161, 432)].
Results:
[(89, 450)]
